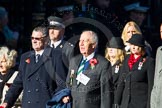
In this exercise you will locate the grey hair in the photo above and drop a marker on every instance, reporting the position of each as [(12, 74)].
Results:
[(93, 35), (41, 29), (10, 56)]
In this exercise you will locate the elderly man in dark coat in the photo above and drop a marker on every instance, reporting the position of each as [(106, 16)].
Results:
[(89, 81), (38, 76)]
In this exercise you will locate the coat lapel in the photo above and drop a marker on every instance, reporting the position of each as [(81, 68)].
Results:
[(76, 66), (45, 56)]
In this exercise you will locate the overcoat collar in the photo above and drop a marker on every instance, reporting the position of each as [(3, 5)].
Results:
[(43, 60)]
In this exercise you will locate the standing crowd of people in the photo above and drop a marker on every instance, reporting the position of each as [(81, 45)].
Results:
[(53, 75)]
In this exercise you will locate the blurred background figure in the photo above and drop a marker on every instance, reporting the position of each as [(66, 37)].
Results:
[(136, 12), (8, 36), (7, 72), (161, 31), (115, 54), (137, 76), (156, 94), (67, 15), (129, 29), (139, 12)]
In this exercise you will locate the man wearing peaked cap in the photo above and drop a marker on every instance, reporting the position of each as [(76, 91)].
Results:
[(137, 12), (137, 7), (65, 8), (55, 22), (56, 30)]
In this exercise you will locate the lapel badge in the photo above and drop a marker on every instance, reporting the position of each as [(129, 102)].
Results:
[(61, 46), (93, 62), (141, 64), (71, 77), (27, 60), (116, 69)]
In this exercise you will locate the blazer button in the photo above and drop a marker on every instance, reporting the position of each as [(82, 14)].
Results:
[(36, 90), (29, 102), (37, 79), (29, 79), (29, 91)]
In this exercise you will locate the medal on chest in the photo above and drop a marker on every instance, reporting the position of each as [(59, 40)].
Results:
[(141, 64), (116, 68)]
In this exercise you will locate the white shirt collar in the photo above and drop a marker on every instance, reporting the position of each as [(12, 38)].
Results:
[(89, 57), (55, 43), (39, 52)]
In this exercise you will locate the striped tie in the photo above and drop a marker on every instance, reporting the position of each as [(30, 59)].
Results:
[(81, 68)]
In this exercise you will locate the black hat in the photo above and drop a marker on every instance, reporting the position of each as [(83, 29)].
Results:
[(137, 39), (115, 42), (55, 22)]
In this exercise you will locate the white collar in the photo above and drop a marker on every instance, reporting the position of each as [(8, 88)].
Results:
[(89, 57), (39, 52), (55, 43)]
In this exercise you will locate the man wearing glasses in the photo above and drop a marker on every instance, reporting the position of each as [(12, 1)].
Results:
[(37, 75)]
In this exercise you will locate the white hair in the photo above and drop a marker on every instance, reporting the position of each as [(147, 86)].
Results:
[(10, 56)]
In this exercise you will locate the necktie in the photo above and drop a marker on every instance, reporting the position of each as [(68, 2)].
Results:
[(53, 46), (37, 57), (81, 68)]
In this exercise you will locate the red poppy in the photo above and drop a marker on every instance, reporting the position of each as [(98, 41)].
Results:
[(27, 60), (93, 62)]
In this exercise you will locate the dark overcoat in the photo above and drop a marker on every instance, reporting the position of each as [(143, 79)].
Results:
[(96, 93), (38, 81), (135, 85)]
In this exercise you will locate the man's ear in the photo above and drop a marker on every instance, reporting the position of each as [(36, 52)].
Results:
[(94, 45)]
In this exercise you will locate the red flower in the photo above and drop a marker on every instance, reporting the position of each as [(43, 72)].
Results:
[(93, 62), (27, 60)]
